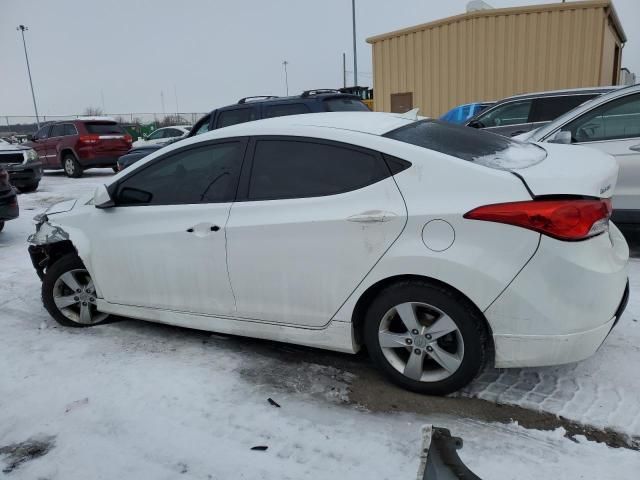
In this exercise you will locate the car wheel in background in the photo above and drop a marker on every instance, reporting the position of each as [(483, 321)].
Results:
[(30, 187), (425, 337), (69, 295), (71, 166)]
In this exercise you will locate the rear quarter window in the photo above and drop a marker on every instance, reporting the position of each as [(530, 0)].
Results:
[(345, 104), (472, 145), (103, 128)]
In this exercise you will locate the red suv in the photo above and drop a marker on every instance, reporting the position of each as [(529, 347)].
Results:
[(76, 145)]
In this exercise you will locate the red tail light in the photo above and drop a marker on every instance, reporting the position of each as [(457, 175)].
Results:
[(570, 219), (128, 138), (91, 139)]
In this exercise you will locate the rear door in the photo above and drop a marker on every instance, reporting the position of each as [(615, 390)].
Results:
[(56, 136), (545, 109), (614, 128), (313, 218)]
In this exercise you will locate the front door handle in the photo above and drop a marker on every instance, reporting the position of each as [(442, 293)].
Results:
[(372, 216), (203, 229), (635, 148)]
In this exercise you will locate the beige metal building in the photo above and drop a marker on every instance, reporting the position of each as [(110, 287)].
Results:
[(495, 53)]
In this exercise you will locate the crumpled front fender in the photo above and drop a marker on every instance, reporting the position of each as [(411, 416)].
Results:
[(47, 233)]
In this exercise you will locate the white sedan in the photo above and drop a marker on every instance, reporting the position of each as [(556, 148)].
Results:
[(438, 247), (163, 135)]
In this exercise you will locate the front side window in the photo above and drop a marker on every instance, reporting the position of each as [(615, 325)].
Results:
[(207, 174), (285, 109), (172, 133), (512, 113), (297, 169), (617, 119), (57, 130), (546, 109), (227, 118)]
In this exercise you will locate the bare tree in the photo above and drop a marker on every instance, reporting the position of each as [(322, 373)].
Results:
[(93, 111)]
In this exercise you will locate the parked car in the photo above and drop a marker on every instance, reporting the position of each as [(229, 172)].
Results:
[(22, 164), (77, 145), (412, 237), (254, 108), (8, 199), (609, 123), (462, 113), (522, 113), (163, 135)]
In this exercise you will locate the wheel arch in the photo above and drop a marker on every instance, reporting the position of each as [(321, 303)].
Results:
[(65, 151), (360, 310)]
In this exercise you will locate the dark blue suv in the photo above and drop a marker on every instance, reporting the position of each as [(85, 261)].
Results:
[(255, 108)]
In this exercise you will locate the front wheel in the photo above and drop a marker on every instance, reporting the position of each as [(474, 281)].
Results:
[(69, 295), (425, 337), (71, 166)]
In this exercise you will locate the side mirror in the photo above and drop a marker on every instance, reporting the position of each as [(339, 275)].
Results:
[(102, 198), (563, 137), (31, 138), (475, 124)]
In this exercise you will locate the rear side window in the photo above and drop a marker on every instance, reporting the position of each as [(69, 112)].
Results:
[(297, 169), (103, 128), (70, 129), (285, 109), (345, 104), (206, 174), (512, 113), (226, 118), (549, 108), (484, 148), (57, 130)]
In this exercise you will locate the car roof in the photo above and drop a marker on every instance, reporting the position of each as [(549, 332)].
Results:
[(308, 95), (594, 102), (554, 93)]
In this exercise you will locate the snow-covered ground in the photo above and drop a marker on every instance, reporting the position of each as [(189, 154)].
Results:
[(138, 400)]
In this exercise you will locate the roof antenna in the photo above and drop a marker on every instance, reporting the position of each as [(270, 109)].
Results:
[(411, 114)]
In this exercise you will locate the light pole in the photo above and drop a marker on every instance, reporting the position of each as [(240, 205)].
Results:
[(355, 53), (286, 77), (22, 28)]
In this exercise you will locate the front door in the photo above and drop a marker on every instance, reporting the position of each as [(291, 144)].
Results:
[(314, 218), (614, 128), (163, 245), (39, 144)]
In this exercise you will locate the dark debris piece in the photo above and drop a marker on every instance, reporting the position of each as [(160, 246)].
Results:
[(273, 402), (260, 448), (18, 453)]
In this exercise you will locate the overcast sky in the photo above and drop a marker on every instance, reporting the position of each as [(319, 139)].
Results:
[(213, 52)]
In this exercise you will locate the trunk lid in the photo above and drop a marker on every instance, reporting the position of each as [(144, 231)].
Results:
[(571, 170)]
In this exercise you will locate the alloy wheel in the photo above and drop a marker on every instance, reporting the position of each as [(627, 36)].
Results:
[(69, 166), (421, 342), (75, 297)]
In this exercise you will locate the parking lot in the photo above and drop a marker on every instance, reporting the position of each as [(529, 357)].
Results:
[(135, 396)]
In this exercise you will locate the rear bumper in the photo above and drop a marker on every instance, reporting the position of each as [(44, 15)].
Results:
[(563, 303), (546, 350), (96, 162)]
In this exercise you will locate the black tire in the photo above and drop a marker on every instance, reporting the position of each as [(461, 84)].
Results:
[(65, 264), (1, 225), (30, 187), (468, 320), (71, 167)]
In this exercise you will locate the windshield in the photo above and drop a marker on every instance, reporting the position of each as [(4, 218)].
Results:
[(484, 148)]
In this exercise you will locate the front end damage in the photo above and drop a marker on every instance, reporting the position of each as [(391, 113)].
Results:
[(47, 244)]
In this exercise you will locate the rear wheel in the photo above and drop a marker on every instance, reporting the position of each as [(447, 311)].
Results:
[(71, 166), (425, 337), (69, 295)]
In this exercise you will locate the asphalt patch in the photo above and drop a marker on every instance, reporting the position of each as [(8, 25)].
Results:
[(18, 453)]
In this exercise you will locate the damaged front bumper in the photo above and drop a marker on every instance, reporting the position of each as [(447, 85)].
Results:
[(40, 242)]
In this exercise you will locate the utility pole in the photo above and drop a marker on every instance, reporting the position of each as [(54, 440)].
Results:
[(22, 28), (344, 70), (355, 53), (162, 102), (286, 77), (175, 93)]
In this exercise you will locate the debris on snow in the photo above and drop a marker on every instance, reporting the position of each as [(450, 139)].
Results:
[(19, 453), (273, 402)]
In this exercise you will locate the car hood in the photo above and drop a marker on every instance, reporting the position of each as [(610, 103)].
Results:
[(9, 147)]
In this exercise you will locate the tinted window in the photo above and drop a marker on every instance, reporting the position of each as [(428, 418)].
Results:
[(285, 109), (42, 133), (616, 119), (469, 144), (511, 113), (158, 134), (296, 169), (103, 128), (200, 175), (345, 104), (57, 130), (70, 129), (227, 118), (172, 133), (202, 126), (549, 108)]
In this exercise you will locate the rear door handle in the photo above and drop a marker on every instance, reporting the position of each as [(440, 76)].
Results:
[(372, 216), (635, 148), (203, 229)]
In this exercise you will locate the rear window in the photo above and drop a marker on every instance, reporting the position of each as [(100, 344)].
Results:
[(103, 128), (469, 144), (345, 104)]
